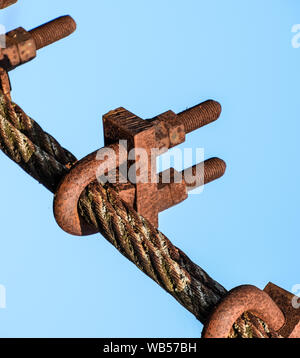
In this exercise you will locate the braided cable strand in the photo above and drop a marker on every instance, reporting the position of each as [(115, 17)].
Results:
[(150, 250), (23, 141), (37, 152), (41, 156)]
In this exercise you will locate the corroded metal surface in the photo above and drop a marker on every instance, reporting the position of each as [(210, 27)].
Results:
[(121, 124), (243, 299), (200, 115), (6, 3), (171, 191), (169, 130), (285, 301), (21, 45), (53, 31), (5, 82), (84, 172), (168, 266), (68, 193), (20, 48), (176, 191), (146, 192), (43, 158), (162, 133), (213, 169)]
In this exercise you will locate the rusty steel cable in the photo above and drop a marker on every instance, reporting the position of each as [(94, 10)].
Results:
[(45, 160), (42, 157)]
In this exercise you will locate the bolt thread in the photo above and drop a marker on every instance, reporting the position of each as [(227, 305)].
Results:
[(53, 31), (194, 177), (200, 115)]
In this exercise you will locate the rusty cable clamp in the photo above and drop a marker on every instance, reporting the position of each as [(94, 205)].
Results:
[(152, 195), (273, 305)]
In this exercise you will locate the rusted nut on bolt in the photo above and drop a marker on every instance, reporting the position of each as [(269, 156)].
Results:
[(140, 141), (171, 128), (242, 299), (156, 136), (20, 48), (6, 3), (175, 190), (171, 189), (172, 186), (80, 176), (21, 45)]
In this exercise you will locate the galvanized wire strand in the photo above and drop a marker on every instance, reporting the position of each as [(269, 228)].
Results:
[(41, 156)]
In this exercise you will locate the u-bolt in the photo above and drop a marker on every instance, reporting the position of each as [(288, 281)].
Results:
[(84, 172), (243, 299), (166, 130)]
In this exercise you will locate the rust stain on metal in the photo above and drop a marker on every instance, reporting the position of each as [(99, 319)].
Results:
[(148, 193), (171, 128), (161, 132), (176, 191), (284, 301), (53, 31), (243, 299), (21, 45), (121, 124), (200, 115), (68, 193), (5, 83), (20, 48), (6, 3)]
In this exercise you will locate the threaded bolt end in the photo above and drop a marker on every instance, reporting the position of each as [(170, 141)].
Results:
[(200, 115), (53, 31), (194, 177), (214, 168)]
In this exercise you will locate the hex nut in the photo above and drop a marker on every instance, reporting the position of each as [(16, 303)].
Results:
[(24, 42), (169, 130)]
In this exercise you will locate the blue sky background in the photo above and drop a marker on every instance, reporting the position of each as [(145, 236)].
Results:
[(151, 56)]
